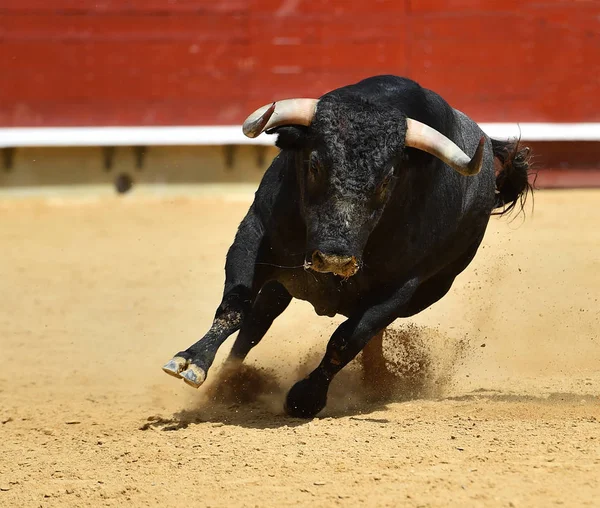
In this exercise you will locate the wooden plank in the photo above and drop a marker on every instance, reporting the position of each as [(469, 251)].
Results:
[(74, 113), (298, 30), (565, 154), (497, 61), (371, 28), (333, 56), (462, 7), (53, 28), (330, 8), (516, 74), (311, 83), (111, 57), (557, 178), (131, 6), (124, 87)]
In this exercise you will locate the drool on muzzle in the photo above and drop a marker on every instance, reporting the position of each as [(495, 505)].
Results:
[(344, 266)]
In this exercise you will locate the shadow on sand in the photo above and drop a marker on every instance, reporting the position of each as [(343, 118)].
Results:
[(421, 363), (257, 415), (250, 396), (254, 398), (553, 398)]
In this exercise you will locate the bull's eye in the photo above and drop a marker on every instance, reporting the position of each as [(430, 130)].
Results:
[(383, 186), (314, 166)]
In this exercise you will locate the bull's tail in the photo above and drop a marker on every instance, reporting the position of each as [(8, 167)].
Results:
[(512, 175)]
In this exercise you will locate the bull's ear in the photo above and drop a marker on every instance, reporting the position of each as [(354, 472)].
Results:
[(291, 137)]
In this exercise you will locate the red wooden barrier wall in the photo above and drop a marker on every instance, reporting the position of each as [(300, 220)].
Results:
[(178, 62)]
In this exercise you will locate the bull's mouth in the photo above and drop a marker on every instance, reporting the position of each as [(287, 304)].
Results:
[(344, 266)]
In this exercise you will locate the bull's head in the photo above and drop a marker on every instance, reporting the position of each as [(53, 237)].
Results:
[(347, 158)]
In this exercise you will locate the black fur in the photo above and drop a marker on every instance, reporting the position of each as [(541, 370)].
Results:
[(348, 187)]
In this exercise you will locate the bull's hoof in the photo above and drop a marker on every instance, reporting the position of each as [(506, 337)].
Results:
[(194, 376), (306, 399), (182, 368), (176, 366)]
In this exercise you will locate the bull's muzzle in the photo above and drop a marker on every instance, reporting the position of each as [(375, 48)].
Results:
[(344, 266)]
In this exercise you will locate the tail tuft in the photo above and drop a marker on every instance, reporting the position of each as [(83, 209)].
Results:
[(512, 177)]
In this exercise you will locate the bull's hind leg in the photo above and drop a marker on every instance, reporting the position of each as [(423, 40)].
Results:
[(272, 300), (373, 361), (376, 375)]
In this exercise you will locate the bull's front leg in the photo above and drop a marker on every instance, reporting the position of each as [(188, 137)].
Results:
[(240, 290), (309, 396)]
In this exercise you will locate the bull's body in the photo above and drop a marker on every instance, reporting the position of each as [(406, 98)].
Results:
[(428, 230)]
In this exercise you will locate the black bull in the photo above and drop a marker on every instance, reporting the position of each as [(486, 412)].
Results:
[(358, 216)]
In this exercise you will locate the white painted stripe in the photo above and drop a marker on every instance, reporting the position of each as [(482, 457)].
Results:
[(232, 135), (544, 131), (127, 136)]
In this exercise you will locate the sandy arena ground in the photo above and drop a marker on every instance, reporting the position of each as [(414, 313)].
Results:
[(499, 398)]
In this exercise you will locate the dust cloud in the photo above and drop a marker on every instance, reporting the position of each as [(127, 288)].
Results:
[(420, 364)]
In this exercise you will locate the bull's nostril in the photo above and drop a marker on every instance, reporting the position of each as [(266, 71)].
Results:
[(351, 263), (350, 267), (318, 258)]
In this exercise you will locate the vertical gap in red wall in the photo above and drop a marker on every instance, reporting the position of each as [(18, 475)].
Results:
[(247, 54), (407, 39)]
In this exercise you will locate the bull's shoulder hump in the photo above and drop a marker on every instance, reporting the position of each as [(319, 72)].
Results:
[(469, 131)]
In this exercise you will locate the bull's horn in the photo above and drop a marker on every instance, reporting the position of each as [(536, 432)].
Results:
[(285, 112), (423, 137)]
